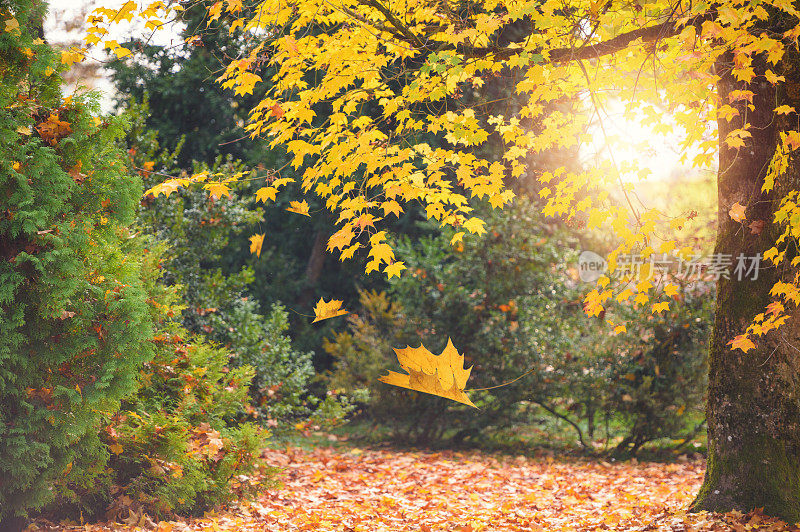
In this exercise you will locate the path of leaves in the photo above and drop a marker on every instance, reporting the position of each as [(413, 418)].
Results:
[(373, 491)]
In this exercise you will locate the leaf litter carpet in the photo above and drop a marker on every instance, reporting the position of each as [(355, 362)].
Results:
[(380, 490)]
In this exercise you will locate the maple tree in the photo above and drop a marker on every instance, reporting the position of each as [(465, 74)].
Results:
[(730, 63)]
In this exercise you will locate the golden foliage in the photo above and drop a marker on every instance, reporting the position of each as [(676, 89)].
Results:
[(407, 57)]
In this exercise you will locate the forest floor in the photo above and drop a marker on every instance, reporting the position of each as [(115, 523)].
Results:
[(385, 490)]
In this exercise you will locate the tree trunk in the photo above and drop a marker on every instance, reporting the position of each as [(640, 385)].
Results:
[(316, 261), (13, 524), (753, 405)]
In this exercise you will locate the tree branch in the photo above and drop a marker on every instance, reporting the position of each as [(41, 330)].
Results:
[(394, 21), (557, 55), (565, 418), (593, 51)]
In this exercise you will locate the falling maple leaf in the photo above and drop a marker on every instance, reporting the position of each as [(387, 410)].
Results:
[(737, 212), (299, 207), (443, 375), (256, 241), (331, 309)]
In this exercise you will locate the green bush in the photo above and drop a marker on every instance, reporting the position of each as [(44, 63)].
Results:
[(73, 316), (214, 289), (282, 373), (178, 445), (624, 390)]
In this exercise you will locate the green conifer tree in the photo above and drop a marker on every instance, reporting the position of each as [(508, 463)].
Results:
[(74, 321)]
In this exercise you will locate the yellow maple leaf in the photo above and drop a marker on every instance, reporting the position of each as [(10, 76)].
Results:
[(390, 207), (475, 225), (349, 252), (266, 193), (737, 212), (742, 342), (256, 241), (775, 308), (340, 239), (457, 238), (660, 307), (382, 253), (667, 246), (394, 269), (331, 309), (166, 188), (299, 207), (443, 375), (218, 189)]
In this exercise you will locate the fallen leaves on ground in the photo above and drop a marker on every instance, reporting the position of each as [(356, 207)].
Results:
[(380, 490)]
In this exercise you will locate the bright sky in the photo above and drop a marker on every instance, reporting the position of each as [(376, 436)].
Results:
[(62, 27), (626, 139)]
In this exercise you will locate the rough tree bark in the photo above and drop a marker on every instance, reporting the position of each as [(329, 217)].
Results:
[(753, 398)]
